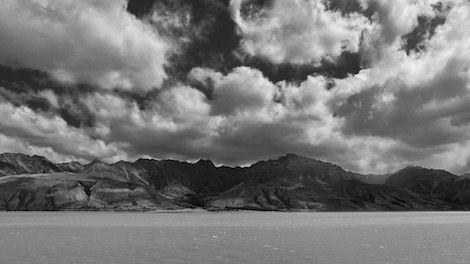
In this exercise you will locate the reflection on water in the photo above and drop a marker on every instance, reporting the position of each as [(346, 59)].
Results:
[(238, 237)]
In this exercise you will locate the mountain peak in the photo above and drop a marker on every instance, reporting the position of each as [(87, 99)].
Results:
[(205, 162), (95, 161), (291, 156)]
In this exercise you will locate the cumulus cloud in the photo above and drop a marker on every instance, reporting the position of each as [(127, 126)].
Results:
[(420, 101), (14, 144), (51, 134), (405, 108), (244, 89), (300, 31), (91, 41), (246, 118), (391, 21), (50, 96)]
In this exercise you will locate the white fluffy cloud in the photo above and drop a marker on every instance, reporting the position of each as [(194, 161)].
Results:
[(94, 41), (19, 145), (244, 89), (50, 135), (247, 118), (420, 101), (391, 21), (299, 31)]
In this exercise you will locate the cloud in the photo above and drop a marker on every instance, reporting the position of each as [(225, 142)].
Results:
[(244, 89), (83, 41), (300, 31), (14, 144), (410, 106), (50, 96), (419, 100), (246, 118), (51, 134), (390, 22)]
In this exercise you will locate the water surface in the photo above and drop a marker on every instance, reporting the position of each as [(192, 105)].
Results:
[(234, 237)]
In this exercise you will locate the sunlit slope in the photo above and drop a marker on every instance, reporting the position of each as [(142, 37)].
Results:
[(68, 191)]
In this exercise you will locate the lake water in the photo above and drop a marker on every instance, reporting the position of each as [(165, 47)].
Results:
[(234, 237)]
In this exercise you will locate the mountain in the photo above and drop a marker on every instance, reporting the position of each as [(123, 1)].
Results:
[(73, 166), (99, 169), (373, 178), (289, 183), (436, 184), (466, 175), (173, 182), (67, 191), (13, 163), (187, 183), (297, 183)]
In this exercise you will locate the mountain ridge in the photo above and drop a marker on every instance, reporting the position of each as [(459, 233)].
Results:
[(288, 183)]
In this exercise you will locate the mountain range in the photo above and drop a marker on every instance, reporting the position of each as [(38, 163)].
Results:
[(289, 183)]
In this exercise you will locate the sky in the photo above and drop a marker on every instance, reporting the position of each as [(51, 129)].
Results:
[(370, 85)]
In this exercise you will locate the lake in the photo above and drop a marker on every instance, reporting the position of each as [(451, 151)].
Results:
[(234, 237)]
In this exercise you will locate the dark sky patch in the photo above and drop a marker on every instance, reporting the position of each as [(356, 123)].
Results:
[(140, 8), (21, 87), (345, 7), (31, 80), (211, 32), (347, 63), (25, 80), (216, 45), (415, 40), (76, 114), (22, 98)]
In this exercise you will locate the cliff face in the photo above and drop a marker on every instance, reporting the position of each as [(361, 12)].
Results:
[(288, 183)]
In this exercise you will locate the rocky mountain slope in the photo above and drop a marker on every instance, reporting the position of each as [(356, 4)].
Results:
[(66, 191), (288, 183), (373, 178), (298, 183), (436, 184), (13, 163)]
